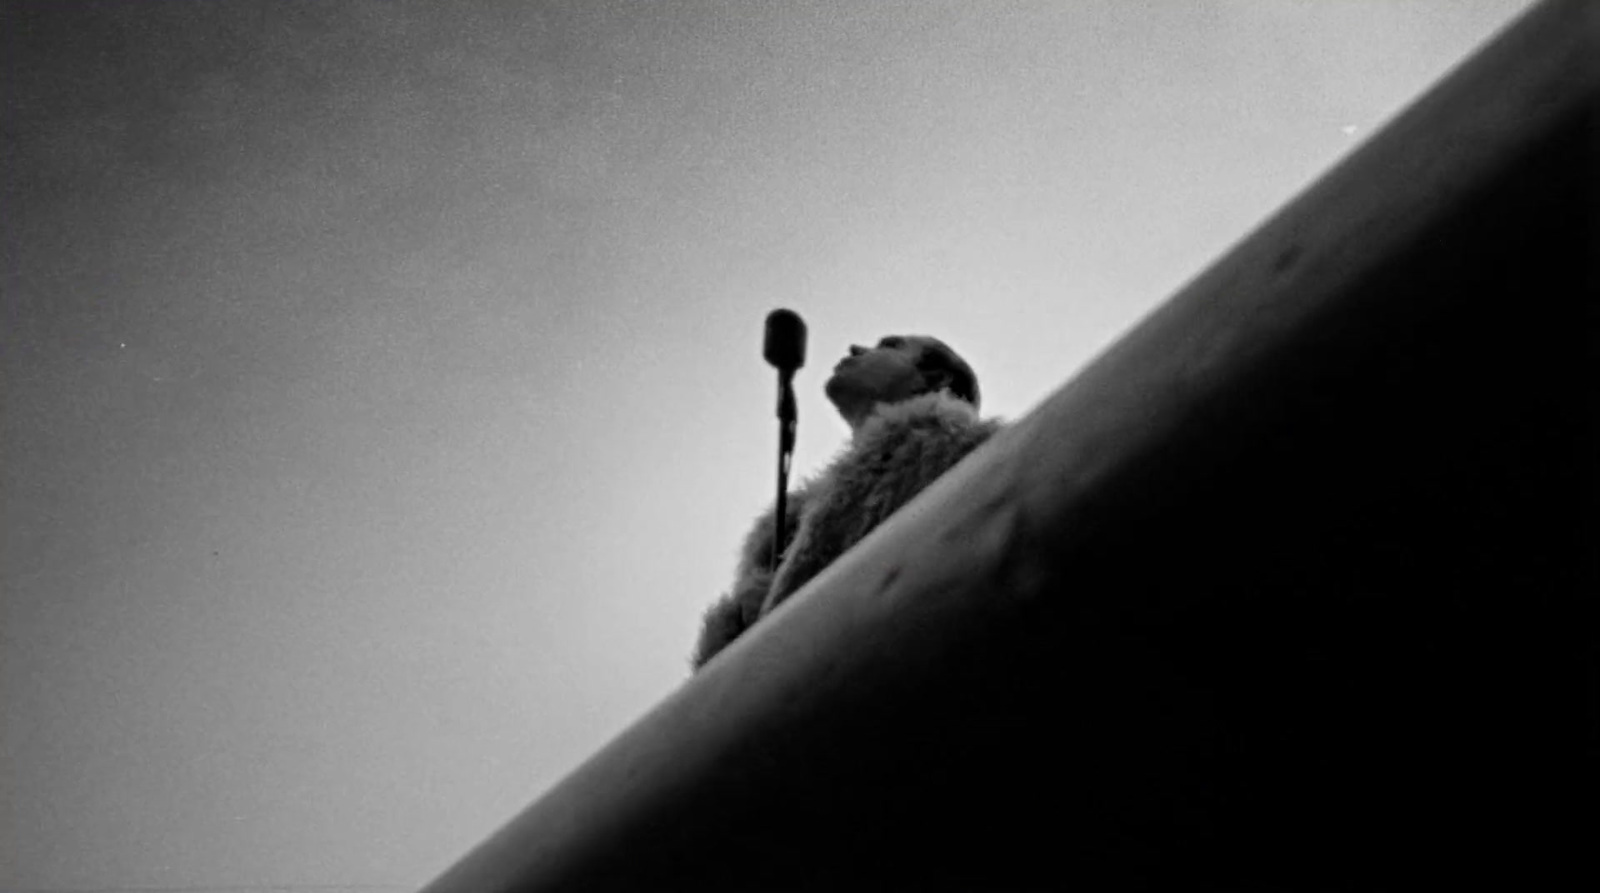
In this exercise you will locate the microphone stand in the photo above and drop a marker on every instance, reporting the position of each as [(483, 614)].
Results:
[(784, 346), (787, 420)]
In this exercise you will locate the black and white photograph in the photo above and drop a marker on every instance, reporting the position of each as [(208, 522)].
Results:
[(513, 446)]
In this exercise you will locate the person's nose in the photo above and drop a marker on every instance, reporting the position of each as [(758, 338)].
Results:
[(857, 350)]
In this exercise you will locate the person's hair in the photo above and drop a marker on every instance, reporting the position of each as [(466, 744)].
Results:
[(943, 369)]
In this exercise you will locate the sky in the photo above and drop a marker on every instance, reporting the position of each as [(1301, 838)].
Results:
[(381, 391)]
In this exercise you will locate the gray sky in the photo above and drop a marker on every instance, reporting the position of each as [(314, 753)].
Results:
[(381, 397)]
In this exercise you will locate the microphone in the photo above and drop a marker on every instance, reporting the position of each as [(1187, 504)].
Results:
[(785, 348), (785, 345)]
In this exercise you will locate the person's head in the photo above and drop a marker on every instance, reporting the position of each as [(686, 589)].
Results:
[(898, 368)]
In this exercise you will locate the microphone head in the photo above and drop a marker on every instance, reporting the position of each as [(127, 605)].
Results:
[(785, 345)]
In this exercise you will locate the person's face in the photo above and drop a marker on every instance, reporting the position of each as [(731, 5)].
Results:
[(867, 376)]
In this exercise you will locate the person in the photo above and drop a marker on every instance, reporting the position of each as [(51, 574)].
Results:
[(912, 406)]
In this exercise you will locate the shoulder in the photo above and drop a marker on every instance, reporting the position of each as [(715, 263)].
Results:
[(914, 439)]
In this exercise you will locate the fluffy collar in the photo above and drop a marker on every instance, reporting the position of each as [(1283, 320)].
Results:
[(939, 408)]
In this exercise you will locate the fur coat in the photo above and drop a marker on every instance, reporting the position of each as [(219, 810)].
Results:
[(897, 452)]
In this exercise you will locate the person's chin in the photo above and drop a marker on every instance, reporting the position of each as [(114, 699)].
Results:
[(845, 394)]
